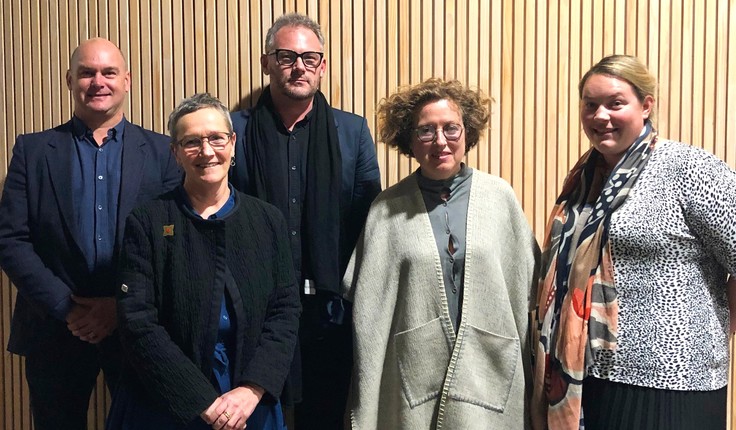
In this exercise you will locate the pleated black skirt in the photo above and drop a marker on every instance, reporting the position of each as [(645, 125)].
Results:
[(614, 406)]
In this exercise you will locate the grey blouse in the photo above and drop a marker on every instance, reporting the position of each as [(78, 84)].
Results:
[(447, 206)]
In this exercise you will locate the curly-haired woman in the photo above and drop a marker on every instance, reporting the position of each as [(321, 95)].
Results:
[(441, 278)]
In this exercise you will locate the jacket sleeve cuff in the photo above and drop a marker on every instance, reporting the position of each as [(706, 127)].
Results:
[(62, 309)]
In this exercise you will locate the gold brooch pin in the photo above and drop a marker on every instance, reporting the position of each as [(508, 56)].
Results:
[(169, 230)]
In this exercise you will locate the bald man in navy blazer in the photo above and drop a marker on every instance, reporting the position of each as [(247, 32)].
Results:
[(62, 213)]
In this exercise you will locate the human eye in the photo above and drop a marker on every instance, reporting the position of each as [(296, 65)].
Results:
[(425, 131), (617, 103), (312, 59), (286, 56), (218, 139), (452, 129), (189, 143)]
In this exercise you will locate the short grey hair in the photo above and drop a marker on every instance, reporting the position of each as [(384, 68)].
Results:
[(293, 20), (193, 104)]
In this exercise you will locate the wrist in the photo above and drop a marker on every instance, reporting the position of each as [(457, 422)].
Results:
[(257, 390)]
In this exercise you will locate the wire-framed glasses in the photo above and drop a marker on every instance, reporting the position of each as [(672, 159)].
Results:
[(428, 133), (217, 141), (287, 57)]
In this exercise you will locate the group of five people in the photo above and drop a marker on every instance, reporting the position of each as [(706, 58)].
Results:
[(247, 264)]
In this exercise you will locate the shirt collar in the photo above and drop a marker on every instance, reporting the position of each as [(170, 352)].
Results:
[(81, 130), (224, 210)]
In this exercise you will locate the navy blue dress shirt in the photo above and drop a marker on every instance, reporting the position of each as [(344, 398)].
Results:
[(96, 182)]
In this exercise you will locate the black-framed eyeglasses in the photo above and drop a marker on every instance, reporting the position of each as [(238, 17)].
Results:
[(428, 133), (287, 57), (217, 141)]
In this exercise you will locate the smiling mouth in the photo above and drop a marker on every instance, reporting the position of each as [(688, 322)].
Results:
[(206, 165), (605, 130), (441, 155)]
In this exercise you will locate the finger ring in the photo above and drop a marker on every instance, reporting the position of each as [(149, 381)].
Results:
[(227, 415)]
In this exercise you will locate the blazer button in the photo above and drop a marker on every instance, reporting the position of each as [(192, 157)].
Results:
[(124, 288)]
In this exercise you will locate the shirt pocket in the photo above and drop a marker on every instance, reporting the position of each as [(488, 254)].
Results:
[(485, 369), (423, 354)]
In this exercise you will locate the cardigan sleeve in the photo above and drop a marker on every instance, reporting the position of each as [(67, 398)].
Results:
[(168, 375), (272, 358)]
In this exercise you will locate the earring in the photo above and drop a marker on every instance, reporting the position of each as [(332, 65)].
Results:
[(232, 161)]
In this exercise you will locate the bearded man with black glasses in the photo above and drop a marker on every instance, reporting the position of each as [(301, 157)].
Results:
[(318, 166)]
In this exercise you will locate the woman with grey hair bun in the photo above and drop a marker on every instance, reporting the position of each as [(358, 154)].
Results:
[(208, 307)]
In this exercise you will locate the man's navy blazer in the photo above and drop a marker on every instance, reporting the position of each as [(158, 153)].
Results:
[(39, 237), (361, 179)]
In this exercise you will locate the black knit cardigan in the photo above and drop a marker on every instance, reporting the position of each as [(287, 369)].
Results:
[(172, 277)]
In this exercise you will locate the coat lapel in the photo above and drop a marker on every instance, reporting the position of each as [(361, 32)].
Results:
[(134, 161), (59, 160)]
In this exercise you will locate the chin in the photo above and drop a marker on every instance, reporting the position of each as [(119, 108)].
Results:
[(300, 94)]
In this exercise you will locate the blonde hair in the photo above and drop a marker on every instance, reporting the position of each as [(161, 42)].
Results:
[(629, 69)]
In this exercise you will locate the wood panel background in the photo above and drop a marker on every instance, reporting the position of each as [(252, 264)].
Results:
[(527, 55)]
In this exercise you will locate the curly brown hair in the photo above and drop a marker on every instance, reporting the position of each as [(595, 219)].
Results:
[(397, 114)]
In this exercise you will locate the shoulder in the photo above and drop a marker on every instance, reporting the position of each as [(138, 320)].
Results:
[(156, 207), (240, 118), (342, 116), (135, 131), (36, 145), (493, 188), (349, 122), (253, 207), (685, 160), (402, 197), (62, 130), (488, 180), (401, 189)]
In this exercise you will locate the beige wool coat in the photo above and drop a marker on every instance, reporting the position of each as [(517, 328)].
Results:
[(411, 370)]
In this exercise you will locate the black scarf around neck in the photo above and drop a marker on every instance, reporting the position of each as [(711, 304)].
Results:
[(268, 178)]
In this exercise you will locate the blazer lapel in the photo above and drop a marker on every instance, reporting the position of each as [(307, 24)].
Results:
[(134, 160), (59, 161)]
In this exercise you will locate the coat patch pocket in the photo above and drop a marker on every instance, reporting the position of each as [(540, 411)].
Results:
[(423, 354), (485, 369)]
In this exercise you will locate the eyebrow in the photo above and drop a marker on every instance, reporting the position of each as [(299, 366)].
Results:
[(614, 95)]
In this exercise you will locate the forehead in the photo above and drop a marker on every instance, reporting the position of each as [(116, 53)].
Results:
[(444, 109), (98, 55), (296, 39), (606, 86), (202, 120)]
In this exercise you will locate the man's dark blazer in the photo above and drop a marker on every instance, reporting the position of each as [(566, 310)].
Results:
[(39, 237), (361, 179)]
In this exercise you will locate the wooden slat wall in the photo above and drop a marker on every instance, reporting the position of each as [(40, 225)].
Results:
[(527, 55)]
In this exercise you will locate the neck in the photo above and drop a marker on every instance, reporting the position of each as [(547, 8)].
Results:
[(99, 125), (207, 199), (291, 111)]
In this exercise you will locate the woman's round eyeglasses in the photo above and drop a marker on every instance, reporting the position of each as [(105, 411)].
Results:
[(428, 133)]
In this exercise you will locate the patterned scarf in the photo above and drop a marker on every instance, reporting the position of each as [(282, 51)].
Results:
[(577, 306)]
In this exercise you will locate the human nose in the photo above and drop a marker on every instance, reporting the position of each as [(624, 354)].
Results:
[(601, 114), (440, 134), (205, 147), (299, 64), (96, 79)]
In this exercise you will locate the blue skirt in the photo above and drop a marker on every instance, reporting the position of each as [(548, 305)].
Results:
[(131, 412)]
